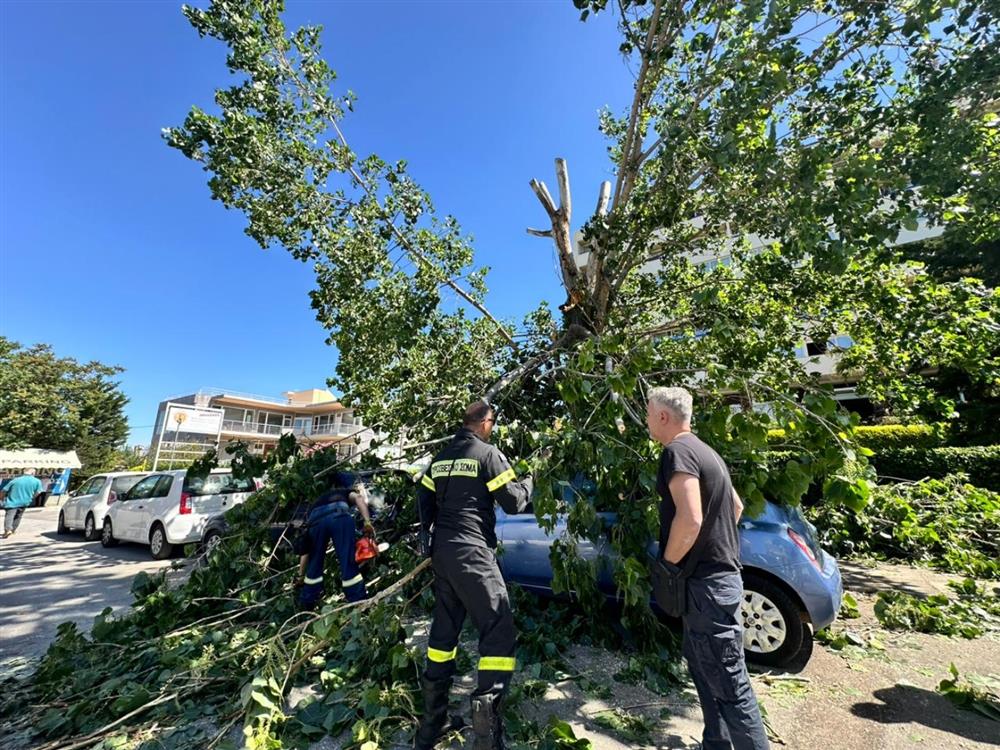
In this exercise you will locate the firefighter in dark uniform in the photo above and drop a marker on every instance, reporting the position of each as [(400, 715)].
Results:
[(456, 500), (330, 520)]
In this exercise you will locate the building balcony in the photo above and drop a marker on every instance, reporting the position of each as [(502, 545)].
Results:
[(334, 430), (231, 427)]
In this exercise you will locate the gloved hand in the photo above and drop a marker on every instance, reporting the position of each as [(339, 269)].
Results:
[(369, 530)]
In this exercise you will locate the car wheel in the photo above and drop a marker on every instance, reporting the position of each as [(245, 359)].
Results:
[(212, 540), (773, 630), (90, 528), (158, 544), (107, 537), (61, 527)]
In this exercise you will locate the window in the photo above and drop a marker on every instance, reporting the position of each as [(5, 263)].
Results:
[(163, 486), (815, 348), (217, 484), (121, 485), (144, 488), (92, 486)]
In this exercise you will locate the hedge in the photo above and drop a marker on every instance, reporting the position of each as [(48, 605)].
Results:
[(879, 437), (981, 464)]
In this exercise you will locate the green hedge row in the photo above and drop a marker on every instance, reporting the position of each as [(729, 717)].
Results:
[(981, 464), (879, 437)]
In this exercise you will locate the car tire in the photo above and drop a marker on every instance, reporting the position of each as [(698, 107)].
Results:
[(160, 548), (773, 628), (90, 529), (107, 535), (61, 527), (211, 541)]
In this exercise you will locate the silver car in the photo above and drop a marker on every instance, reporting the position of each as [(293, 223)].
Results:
[(88, 505)]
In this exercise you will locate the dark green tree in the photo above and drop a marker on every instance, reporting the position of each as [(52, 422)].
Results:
[(53, 402)]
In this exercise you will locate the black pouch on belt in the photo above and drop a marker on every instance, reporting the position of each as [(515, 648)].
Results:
[(669, 588), (670, 581)]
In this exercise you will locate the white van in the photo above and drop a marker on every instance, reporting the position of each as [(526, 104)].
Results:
[(167, 509), (87, 505)]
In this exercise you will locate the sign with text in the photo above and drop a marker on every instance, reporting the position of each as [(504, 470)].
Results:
[(193, 419)]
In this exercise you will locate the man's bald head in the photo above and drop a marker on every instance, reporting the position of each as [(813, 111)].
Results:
[(479, 418)]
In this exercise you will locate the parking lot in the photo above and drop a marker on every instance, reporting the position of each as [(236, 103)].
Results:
[(47, 579)]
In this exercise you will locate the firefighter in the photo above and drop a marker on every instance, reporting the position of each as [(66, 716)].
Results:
[(330, 520), (456, 501)]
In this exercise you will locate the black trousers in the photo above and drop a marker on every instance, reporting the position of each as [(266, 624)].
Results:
[(467, 580), (713, 646)]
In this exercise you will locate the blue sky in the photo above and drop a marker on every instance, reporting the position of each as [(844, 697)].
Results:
[(111, 248)]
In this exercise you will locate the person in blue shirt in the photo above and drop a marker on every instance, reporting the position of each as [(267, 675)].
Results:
[(18, 494), (330, 520)]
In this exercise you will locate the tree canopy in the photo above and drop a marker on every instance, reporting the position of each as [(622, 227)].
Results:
[(58, 403), (793, 139)]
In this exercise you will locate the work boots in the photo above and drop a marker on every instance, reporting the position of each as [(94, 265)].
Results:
[(487, 721), (432, 724)]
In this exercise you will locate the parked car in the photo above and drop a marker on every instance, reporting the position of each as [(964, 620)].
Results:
[(790, 583), (168, 509), (88, 505)]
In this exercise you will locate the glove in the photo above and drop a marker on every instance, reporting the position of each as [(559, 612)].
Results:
[(369, 531)]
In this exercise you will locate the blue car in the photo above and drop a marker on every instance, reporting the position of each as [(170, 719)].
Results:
[(789, 582)]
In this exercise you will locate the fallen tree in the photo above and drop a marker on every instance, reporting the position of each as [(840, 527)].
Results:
[(781, 138)]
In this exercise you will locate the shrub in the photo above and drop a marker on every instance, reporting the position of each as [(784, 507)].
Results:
[(882, 436), (879, 437), (981, 464), (945, 523)]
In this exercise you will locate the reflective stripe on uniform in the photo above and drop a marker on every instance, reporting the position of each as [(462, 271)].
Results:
[(494, 484), (436, 654), (312, 581), (354, 581), (497, 663), (427, 482)]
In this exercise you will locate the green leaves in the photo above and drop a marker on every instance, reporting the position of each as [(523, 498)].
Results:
[(61, 404), (972, 693), (972, 613)]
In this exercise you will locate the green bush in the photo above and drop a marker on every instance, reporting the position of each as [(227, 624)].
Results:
[(981, 464), (945, 523), (879, 437)]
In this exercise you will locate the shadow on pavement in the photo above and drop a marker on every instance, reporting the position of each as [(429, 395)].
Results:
[(906, 704)]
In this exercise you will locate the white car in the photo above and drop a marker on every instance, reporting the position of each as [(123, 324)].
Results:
[(87, 506), (167, 509)]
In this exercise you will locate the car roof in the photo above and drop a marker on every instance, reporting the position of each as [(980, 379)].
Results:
[(115, 474)]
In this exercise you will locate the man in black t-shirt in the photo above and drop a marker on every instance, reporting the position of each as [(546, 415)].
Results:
[(699, 505)]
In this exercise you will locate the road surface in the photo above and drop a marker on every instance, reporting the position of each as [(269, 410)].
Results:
[(47, 579)]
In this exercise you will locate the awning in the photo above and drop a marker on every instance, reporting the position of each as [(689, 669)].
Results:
[(38, 458)]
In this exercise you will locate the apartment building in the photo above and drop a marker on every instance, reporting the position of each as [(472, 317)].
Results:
[(186, 426)]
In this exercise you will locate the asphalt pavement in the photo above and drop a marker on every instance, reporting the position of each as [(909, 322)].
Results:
[(47, 579)]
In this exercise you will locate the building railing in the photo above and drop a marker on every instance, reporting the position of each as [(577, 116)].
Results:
[(334, 429), (250, 428)]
